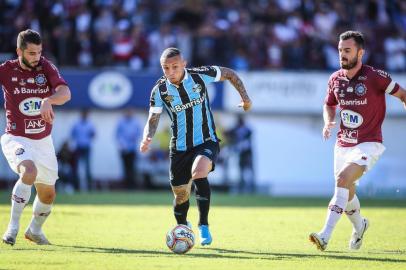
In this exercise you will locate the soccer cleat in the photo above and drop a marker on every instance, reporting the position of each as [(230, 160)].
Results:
[(39, 239), (10, 236), (356, 238), (318, 241), (205, 236)]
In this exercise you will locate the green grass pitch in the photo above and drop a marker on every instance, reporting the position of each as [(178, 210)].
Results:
[(127, 231)]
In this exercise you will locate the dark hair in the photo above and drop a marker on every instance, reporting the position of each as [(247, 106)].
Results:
[(170, 52), (28, 36), (356, 35)]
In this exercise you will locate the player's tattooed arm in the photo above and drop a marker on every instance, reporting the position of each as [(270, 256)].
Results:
[(149, 131), (231, 75)]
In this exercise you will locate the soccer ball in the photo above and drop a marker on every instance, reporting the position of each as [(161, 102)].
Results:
[(180, 239)]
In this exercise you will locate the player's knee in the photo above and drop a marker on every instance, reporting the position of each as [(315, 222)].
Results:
[(28, 172), (199, 173), (48, 197), (181, 194), (342, 181)]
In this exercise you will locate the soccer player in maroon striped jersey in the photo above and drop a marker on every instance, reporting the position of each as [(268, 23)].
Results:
[(359, 92), (31, 86)]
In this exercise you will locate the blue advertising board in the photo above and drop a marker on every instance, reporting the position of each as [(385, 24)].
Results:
[(116, 89)]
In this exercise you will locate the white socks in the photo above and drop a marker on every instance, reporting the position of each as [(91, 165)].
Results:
[(353, 213), (335, 209), (19, 198), (40, 213)]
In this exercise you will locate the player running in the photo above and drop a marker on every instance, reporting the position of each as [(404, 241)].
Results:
[(359, 91), (194, 145), (31, 85)]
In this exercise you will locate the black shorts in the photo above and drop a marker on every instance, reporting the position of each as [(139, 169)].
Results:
[(181, 162)]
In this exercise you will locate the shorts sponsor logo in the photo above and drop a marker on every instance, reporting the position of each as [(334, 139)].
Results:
[(19, 151), (349, 136), (34, 126), (364, 158), (208, 151), (360, 89), (30, 106), (351, 119), (40, 79)]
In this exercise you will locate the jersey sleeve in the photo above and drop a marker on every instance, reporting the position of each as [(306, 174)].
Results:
[(330, 99), (209, 74), (155, 101), (52, 74), (385, 82), (3, 73)]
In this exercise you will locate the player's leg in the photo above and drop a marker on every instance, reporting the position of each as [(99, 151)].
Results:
[(180, 167), (345, 179), (45, 186), (19, 198), (41, 210), (202, 165), (181, 202)]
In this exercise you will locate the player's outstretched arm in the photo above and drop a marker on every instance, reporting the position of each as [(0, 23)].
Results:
[(401, 94), (149, 131), (231, 75), (61, 96), (329, 113)]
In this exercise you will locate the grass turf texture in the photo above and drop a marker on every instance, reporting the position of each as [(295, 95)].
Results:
[(127, 231)]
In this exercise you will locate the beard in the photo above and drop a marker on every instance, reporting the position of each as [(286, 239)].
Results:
[(349, 64), (28, 64)]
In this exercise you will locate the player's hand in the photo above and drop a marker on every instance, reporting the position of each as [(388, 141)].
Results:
[(144, 146), (246, 104), (47, 112), (327, 129)]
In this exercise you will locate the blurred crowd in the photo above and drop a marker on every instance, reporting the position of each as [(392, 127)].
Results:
[(244, 35)]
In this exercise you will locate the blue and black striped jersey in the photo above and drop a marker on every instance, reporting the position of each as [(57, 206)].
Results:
[(188, 107)]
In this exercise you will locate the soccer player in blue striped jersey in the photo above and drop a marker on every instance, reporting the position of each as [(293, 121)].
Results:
[(194, 145)]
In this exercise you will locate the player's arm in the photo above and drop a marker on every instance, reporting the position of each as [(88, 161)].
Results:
[(401, 94), (149, 131), (329, 113), (61, 96), (232, 77)]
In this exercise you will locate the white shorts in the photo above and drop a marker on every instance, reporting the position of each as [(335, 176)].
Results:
[(42, 152), (363, 154)]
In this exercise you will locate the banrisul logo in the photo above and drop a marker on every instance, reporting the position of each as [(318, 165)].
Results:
[(30, 106)]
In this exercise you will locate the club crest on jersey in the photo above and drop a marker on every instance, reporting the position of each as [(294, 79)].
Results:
[(168, 98), (197, 88), (360, 89), (22, 82), (40, 79)]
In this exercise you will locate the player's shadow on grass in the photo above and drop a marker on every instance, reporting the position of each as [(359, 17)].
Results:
[(230, 254), (325, 254)]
